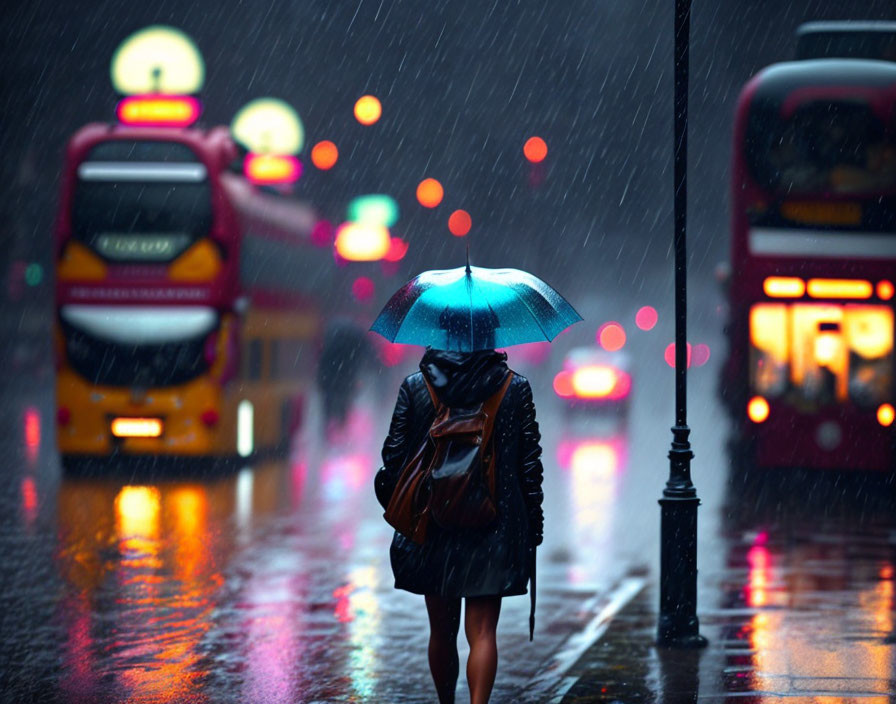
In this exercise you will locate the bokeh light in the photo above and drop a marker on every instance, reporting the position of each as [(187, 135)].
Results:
[(885, 290), (535, 149), (324, 155), (646, 317), (611, 336), (397, 249), (669, 354), (268, 126), (701, 354), (459, 223), (563, 384), (886, 414), (34, 274), (430, 193), (374, 209), (269, 168), (368, 109), (158, 60), (758, 409), (391, 353), (176, 111), (322, 233), (363, 289), (360, 242)]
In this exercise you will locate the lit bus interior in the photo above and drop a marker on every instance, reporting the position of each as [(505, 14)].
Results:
[(820, 354)]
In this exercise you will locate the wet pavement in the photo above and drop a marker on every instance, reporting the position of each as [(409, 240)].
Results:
[(803, 609), (270, 581), (266, 583)]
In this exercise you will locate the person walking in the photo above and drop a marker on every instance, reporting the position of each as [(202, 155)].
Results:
[(461, 477), (480, 566), (344, 355)]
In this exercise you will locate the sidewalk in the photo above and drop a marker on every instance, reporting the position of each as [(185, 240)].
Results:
[(626, 666), (812, 619)]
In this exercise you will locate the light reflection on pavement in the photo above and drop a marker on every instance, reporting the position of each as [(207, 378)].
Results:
[(270, 581), (807, 606), (594, 465)]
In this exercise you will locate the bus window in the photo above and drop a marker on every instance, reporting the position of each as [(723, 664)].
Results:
[(851, 39), (821, 147), (769, 348), (287, 358), (252, 362), (816, 354), (869, 338), (141, 201)]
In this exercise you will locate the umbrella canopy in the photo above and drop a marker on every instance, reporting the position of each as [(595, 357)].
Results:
[(473, 308)]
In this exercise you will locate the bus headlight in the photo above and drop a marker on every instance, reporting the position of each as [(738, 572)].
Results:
[(757, 409)]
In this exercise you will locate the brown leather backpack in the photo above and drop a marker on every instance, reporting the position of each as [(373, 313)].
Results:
[(451, 478)]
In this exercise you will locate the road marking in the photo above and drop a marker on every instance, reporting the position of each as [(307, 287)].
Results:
[(552, 682)]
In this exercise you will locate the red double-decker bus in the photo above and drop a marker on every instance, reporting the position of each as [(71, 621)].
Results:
[(810, 372), (187, 321)]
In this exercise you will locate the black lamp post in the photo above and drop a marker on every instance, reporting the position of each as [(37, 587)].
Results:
[(678, 623)]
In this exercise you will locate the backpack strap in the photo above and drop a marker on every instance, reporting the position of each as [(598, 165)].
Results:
[(491, 406)]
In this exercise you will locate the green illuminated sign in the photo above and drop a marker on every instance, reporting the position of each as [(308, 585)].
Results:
[(374, 209)]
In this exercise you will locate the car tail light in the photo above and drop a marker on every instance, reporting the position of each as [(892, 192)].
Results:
[(63, 415), (599, 382), (210, 417), (623, 386)]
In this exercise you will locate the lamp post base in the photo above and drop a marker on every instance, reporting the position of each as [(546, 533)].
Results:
[(678, 625), (693, 641)]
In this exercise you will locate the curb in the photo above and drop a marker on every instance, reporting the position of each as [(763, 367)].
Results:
[(552, 683)]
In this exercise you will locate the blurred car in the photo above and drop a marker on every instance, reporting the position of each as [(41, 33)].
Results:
[(595, 378)]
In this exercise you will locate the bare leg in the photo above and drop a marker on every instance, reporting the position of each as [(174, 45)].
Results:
[(481, 625), (444, 623)]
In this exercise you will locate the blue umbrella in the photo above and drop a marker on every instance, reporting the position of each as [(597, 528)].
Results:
[(473, 308)]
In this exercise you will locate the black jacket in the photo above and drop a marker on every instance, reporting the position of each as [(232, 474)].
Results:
[(489, 562)]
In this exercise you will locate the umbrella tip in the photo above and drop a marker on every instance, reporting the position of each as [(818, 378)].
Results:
[(468, 257)]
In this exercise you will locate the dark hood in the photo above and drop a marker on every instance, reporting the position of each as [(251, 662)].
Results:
[(464, 379)]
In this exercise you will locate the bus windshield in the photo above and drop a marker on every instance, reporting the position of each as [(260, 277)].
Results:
[(141, 201), (821, 147)]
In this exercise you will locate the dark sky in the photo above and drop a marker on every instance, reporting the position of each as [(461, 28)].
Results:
[(463, 84)]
